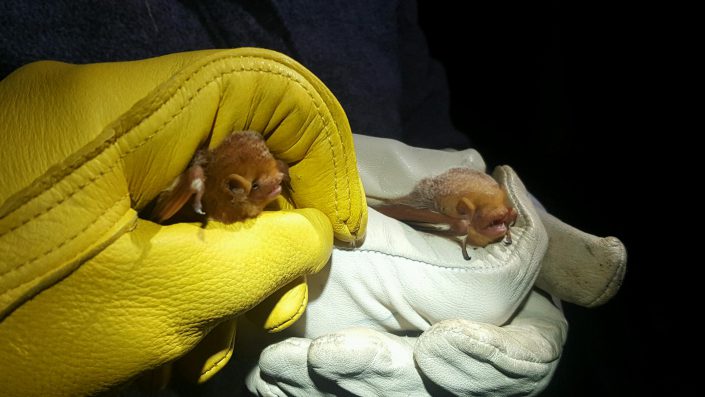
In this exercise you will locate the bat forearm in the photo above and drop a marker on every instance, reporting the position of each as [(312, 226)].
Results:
[(407, 213)]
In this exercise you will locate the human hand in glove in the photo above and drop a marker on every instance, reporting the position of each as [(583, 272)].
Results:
[(91, 295), (469, 327)]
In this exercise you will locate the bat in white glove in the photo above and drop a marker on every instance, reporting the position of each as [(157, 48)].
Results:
[(405, 314)]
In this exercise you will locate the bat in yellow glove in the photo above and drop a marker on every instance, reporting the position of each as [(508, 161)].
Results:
[(91, 295)]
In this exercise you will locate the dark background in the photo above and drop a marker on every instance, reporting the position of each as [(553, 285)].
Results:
[(559, 90), (564, 92)]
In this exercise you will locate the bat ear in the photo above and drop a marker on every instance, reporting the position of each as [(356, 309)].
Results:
[(238, 183), (465, 207)]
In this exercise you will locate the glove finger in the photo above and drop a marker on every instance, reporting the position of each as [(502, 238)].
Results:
[(283, 371), (578, 267), (264, 388), (210, 355), (365, 362), (469, 357), (282, 308)]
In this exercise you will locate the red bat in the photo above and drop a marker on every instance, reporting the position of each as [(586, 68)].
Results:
[(461, 201), (229, 183)]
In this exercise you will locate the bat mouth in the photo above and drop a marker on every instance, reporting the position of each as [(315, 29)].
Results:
[(495, 229), (274, 193)]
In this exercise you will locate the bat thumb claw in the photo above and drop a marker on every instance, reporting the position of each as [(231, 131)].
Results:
[(464, 246)]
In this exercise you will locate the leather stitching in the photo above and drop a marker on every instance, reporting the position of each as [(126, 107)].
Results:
[(223, 358), (56, 247), (288, 321)]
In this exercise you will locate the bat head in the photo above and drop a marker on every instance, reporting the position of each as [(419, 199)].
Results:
[(242, 177), (477, 198), (490, 218)]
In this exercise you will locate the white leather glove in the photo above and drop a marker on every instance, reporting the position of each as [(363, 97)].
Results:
[(460, 357), (475, 338)]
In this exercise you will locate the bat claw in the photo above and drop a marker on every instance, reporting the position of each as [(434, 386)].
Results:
[(198, 209), (466, 256), (507, 238)]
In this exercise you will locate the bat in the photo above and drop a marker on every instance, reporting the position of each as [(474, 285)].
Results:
[(460, 201), (229, 183)]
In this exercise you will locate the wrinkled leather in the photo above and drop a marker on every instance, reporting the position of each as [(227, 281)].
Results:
[(90, 294), (463, 357)]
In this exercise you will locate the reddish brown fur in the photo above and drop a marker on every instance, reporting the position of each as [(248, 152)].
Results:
[(470, 202), (229, 183)]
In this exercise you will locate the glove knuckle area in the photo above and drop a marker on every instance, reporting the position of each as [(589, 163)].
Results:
[(465, 356)]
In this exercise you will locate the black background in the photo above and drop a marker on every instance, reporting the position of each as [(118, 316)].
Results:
[(560, 91), (570, 94)]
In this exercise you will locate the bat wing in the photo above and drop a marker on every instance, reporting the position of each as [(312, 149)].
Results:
[(186, 185), (430, 227), (424, 218)]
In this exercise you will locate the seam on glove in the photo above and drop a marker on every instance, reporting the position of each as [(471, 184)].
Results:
[(291, 320), (225, 357), (83, 159), (61, 244)]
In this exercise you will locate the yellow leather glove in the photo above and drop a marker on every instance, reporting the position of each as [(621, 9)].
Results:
[(90, 294)]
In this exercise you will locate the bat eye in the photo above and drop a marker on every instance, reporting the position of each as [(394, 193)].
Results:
[(255, 185)]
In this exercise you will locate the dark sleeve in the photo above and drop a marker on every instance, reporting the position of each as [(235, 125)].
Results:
[(371, 54)]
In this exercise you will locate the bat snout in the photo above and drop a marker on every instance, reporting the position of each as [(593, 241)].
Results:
[(495, 229), (275, 192), (494, 224), (268, 190)]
